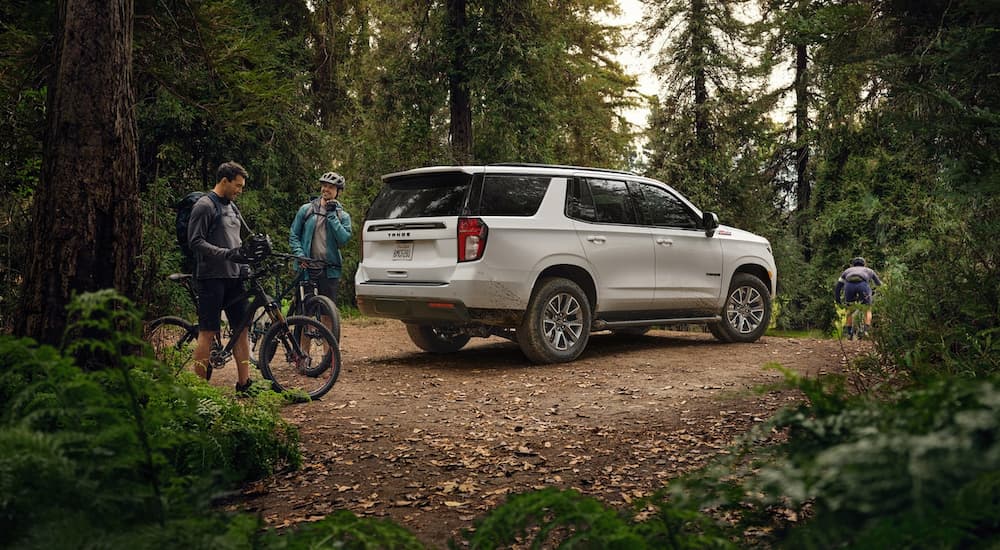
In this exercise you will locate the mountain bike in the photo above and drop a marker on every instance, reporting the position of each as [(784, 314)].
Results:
[(295, 352), (306, 299), (857, 313), (170, 334)]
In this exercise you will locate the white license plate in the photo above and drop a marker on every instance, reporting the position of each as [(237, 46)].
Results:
[(403, 251)]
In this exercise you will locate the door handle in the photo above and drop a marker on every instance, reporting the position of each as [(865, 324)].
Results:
[(596, 238), (664, 241)]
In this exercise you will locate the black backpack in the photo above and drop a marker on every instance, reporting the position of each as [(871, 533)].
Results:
[(183, 208)]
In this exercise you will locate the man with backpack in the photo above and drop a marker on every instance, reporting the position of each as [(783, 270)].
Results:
[(856, 282), (214, 239)]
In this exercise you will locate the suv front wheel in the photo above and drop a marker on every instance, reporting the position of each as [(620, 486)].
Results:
[(556, 325), (747, 311), (437, 339)]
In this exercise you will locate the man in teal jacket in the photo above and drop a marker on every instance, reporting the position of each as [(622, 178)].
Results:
[(321, 227)]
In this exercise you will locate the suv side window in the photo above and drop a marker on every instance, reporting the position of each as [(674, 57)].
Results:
[(612, 203), (510, 195), (579, 201), (662, 209)]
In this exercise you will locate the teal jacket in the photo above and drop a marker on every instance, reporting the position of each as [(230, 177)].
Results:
[(338, 233)]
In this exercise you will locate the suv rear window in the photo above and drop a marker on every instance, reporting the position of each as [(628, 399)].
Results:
[(509, 195), (422, 196)]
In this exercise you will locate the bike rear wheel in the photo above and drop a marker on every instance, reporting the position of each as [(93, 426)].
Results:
[(173, 340), (302, 355), (320, 306)]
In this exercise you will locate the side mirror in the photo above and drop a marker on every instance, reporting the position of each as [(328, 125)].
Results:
[(709, 222)]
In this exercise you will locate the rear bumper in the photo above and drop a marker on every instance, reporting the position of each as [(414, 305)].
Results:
[(415, 309)]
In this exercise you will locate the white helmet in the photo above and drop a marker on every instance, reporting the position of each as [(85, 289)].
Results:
[(333, 178)]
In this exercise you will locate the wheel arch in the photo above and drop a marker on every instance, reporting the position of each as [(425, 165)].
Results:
[(577, 274), (758, 271)]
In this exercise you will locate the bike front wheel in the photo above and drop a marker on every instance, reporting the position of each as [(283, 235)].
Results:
[(173, 340), (300, 355)]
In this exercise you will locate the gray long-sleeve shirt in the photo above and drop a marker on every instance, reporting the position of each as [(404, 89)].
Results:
[(212, 241)]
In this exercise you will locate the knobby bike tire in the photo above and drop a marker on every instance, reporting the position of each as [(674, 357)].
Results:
[(320, 306), (300, 354), (173, 340)]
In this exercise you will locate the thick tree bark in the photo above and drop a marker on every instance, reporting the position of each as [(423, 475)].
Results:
[(803, 186), (458, 85), (332, 49), (699, 41), (86, 221)]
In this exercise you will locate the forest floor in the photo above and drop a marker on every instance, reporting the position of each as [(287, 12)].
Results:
[(433, 442)]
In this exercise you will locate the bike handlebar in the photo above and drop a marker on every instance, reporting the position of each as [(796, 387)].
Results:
[(311, 263)]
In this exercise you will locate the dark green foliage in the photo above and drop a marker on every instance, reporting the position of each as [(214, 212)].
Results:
[(552, 518), (558, 519), (90, 453), (917, 471), (344, 530)]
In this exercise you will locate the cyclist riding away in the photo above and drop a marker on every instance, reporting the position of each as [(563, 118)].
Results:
[(214, 237), (320, 229), (856, 282)]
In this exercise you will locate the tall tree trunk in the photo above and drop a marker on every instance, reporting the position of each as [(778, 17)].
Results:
[(458, 85), (86, 222), (803, 186), (699, 41), (331, 52)]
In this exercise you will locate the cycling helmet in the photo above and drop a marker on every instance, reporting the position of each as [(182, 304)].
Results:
[(333, 178), (859, 261)]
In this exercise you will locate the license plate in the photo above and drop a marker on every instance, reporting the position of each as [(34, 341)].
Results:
[(403, 251)]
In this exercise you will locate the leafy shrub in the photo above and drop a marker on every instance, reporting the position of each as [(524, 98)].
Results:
[(918, 471), (551, 518), (89, 453)]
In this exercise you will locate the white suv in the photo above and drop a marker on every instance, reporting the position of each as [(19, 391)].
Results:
[(545, 255)]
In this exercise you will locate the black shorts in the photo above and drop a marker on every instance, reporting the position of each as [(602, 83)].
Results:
[(858, 292), (213, 295)]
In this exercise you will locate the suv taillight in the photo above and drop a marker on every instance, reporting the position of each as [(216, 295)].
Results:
[(471, 239)]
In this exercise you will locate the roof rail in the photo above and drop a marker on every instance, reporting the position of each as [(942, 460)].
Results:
[(564, 166)]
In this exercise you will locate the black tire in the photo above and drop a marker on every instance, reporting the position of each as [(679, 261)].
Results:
[(556, 325), (320, 306), (173, 341), (630, 331), (720, 335), (437, 339), (291, 366), (747, 311)]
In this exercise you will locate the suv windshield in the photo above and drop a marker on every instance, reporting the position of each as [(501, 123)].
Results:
[(422, 196)]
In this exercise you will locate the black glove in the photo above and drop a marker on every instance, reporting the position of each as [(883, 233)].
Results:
[(236, 255), (254, 249), (333, 210)]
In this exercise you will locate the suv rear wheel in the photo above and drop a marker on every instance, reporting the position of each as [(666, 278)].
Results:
[(747, 311), (556, 325), (437, 339)]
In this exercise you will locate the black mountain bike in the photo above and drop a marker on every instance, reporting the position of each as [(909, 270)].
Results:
[(305, 299), (297, 352)]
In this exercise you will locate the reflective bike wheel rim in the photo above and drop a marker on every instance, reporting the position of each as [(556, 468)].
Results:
[(300, 356)]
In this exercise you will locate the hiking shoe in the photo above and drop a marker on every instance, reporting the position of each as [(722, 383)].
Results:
[(244, 390)]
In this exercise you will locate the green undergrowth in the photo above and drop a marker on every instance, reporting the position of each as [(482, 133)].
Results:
[(102, 447)]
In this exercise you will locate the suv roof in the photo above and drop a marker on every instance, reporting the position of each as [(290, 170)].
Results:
[(509, 167)]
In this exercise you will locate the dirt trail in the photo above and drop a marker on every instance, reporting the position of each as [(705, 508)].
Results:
[(434, 441)]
